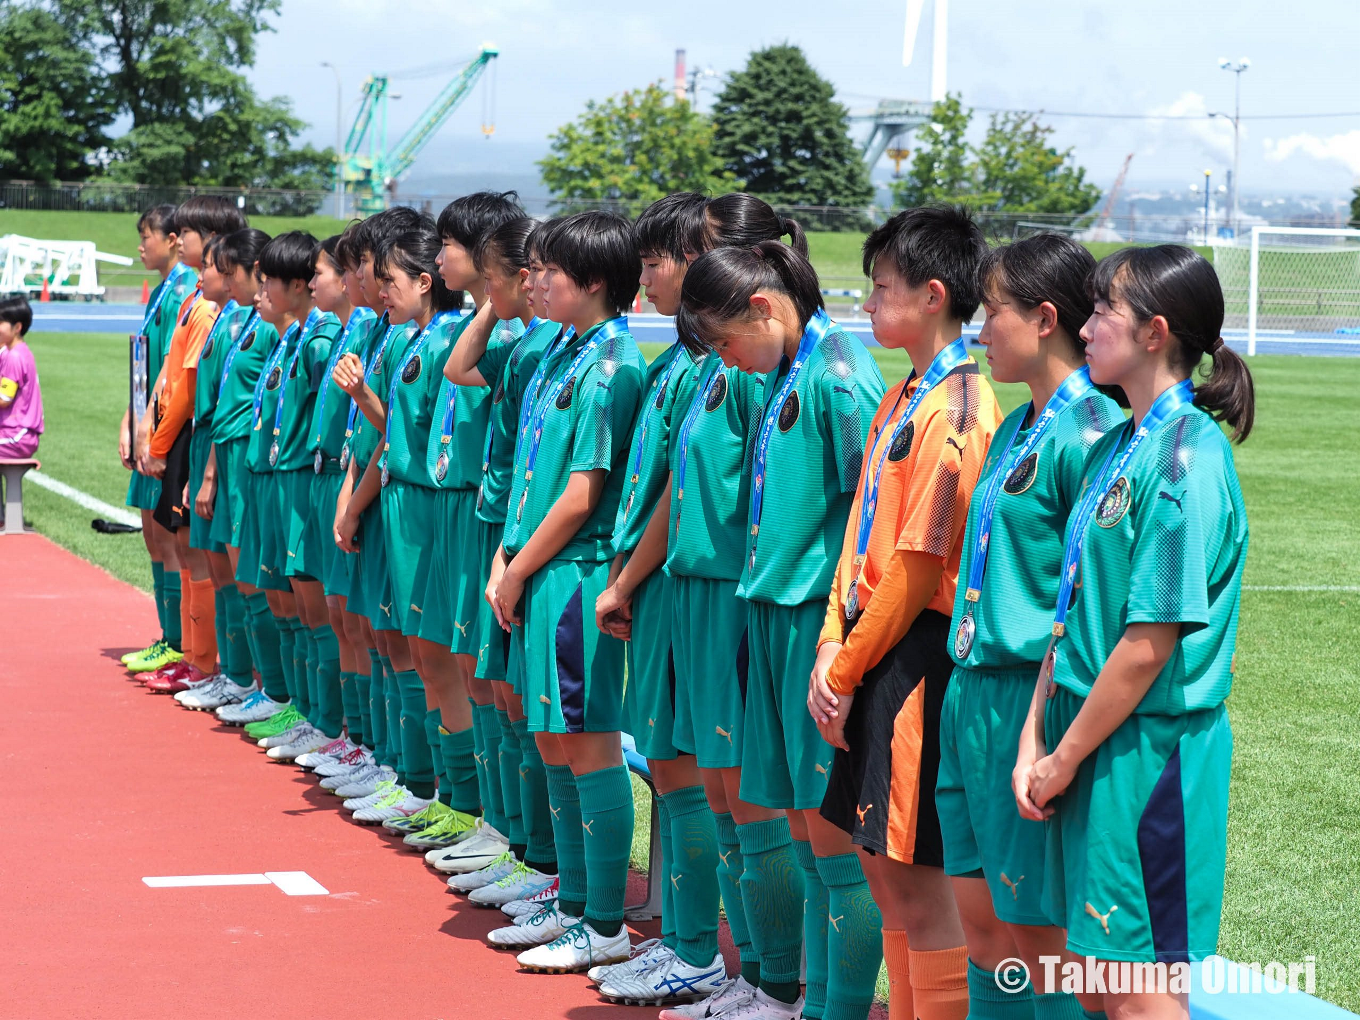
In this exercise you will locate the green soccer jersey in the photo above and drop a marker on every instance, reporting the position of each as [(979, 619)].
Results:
[(582, 420), (1166, 544), (386, 346), (508, 369), (453, 457), (221, 342), (816, 445), (411, 385), (266, 402), (331, 412), (1014, 612), (236, 383), (649, 452), (711, 493), (160, 327), (305, 372)]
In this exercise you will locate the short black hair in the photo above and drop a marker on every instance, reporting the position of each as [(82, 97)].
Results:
[(290, 256), (330, 247), (211, 249), (159, 219), (346, 257), (240, 249), (933, 242), (597, 247), (414, 252), (15, 309), (208, 214), (469, 218), (664, 226), (370, 233), (538, 237), (1043, 267), (506, 246)]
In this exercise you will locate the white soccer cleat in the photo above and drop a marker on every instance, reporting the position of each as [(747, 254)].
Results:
[(521, 881), (545, 894), (222, 693), (399, 803), (763, 1007), (351, 763), (537, 929), (256, 708), (578, 948), (289, 735), (667, 980), (479, 849), (207, 682), (734, 994), (364, 783), (300, 747), (331, 751), (646, 955), (494, 871), (382, 790)]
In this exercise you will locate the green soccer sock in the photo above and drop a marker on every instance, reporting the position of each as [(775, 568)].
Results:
[(478, 749), (667, 869), (237, 660), (396, 751), (694, 874), (287, 637), (329, 707), (268, 647), (433, 727), (815, 926), (349, 706), (539, 819), (460, 770), (1051, 1006), (417, 761), (987, 1001), (508, 763), (772, 889), (375, 720), (607, 823), (220, 626), (173, 592), (731, 865), (158, 595), (305, 663), (854, 939), (565, 804), (486, 723)]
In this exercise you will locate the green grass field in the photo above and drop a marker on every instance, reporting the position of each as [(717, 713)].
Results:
[(1294, 847)]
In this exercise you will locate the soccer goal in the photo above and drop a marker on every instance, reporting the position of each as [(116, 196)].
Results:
[(1301, 282)]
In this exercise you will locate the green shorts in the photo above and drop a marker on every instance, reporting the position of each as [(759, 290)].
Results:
[(295, 488), (261, 546), (372, 587), (200, 530), (230, 503), (409, 524), (980, 726), (711, 657), (143, 492), (1136, 850), (573, 673), (453, 590), (326, 562), (649, 698), (493, 642), (785, 762)]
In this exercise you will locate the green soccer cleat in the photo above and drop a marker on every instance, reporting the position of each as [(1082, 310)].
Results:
[(453, 828), (163, 655), (421, 820), (276, 723), (150, 649)]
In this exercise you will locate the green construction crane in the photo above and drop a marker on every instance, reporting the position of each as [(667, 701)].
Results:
[(372, 175)]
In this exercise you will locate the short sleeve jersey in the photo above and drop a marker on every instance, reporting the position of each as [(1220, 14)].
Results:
[(926, 480), (1014, 612), (710, 518), (461, 414), (367, 437), (410, 400), (812, 468), (167, 299), (225, 334), (649, 451), (1167, 544), (508, 368), (232, 417), (587, 422), (268, 388), (327, 430), (306, 371), (19, 385)]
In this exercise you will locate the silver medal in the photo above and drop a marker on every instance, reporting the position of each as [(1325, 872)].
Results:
[(441, 467), (344, 459), (963, 637), (519, 512), (386, 475), (852, 600), (274, 453), (316, 463)]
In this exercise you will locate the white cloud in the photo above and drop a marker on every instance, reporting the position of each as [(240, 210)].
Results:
[(1344, 149), (1214, 135)]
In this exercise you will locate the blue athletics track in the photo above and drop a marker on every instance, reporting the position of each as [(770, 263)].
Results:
[(646, 327)]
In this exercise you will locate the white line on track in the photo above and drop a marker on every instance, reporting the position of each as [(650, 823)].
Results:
[(108, 510), (293, 883), (1301, 587)]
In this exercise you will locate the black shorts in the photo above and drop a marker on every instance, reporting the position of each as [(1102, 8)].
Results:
[(882, 791), (171, 512)]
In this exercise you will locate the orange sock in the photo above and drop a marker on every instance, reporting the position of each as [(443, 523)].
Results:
[(186, 615), (897, 957), (202, 607), (939, 983)]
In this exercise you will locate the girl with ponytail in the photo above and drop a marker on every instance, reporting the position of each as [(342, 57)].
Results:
[(1127, 735)]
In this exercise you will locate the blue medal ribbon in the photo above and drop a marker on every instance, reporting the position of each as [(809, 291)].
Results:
[(818, 326), (356, 318), (526, 406), (271, 363), (236, 343), (491, 430), (165, 288), (640, 442), (687, 427), (437, 320), (369, 369), (313, 317)]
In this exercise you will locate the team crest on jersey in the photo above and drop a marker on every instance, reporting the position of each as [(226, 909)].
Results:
[(275, 377), (249, 341), (499, 395), (788, 413), (1114, 504), (717, 393), (1023, 476), (564, 398), (902, 444), (411, 372)]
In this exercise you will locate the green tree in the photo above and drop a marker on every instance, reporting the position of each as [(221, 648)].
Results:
[(633, 148), (1018, 169), (54, 102), (940, 169), (780, 131)]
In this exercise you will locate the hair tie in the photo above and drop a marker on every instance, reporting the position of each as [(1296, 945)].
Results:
[(1213, 347)]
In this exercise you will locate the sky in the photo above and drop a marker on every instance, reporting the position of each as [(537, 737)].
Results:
[(1060, 55)]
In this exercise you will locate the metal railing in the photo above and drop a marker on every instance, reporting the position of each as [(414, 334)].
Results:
[(134, 198)]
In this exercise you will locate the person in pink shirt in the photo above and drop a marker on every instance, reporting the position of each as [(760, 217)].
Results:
[(21, 408)]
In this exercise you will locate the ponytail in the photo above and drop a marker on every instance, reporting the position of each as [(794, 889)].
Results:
[(739, 220), (719, 285), (1176, 283), (797, 239)]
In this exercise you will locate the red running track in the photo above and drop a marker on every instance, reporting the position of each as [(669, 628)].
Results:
[(106, 783)]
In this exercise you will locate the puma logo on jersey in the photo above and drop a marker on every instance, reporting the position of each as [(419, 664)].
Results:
[(836, 921), (545, 699), (724, 733), (819, 767), (267, 570), (950, 440), (386, 609), (462, 627), (555, 811), (480, 759), (863, 811), (675, 882), (1015, 895), (524, 774), (416, 609), (291, 554), (723, 857), (587, 827), (1104, 918), (841, 389), (651, 722), (1163, 494)]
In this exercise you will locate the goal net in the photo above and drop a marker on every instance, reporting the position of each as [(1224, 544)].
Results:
[(1294, 283)]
